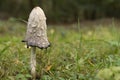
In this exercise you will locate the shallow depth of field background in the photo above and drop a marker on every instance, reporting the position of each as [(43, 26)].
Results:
[(84, 36)]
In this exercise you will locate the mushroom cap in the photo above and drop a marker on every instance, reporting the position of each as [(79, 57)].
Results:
[(36, 35)]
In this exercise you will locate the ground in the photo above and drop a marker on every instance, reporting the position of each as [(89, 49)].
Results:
[(79, 51)]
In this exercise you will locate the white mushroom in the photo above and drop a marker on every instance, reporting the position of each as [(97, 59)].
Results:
[(36, 35)]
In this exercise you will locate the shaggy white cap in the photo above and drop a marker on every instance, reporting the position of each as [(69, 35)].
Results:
[(36, 34)]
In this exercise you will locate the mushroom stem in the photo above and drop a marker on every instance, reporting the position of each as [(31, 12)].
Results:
[(33, 62)]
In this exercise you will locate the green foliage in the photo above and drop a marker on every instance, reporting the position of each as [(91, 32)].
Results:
[(112, 73), (62, 10), (23, 76), (80, 53)]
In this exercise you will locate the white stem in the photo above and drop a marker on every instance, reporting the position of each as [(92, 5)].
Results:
[(33, 62)]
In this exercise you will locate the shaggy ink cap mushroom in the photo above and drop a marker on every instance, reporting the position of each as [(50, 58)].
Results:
[(36, 35)]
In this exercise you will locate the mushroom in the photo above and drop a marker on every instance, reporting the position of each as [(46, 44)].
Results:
[(36, 35)]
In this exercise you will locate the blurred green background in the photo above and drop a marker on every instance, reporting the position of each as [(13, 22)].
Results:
[(65, 11)]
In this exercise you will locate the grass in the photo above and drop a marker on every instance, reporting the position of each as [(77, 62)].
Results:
[(76, 53)]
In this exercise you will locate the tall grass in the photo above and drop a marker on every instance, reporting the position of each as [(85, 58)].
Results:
[(76, 54)]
